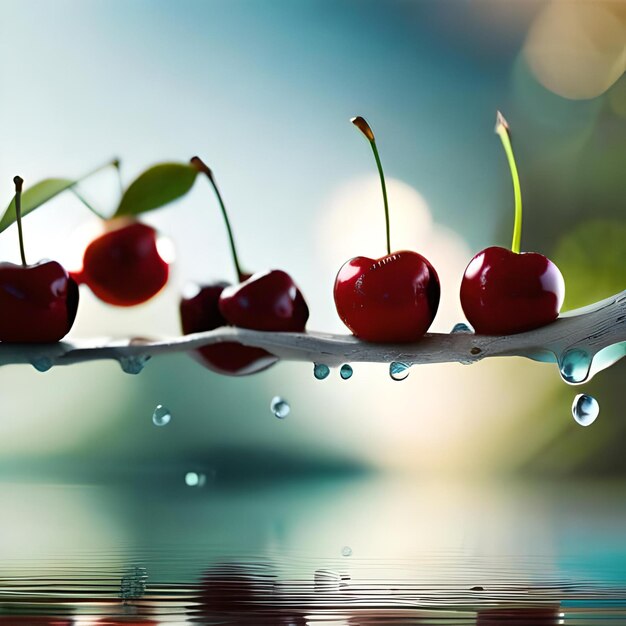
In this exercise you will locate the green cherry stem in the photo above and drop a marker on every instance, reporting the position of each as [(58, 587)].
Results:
[(86, 203), (114, 163), (19, 182), (202, 167), (365, 128), (502, 129)]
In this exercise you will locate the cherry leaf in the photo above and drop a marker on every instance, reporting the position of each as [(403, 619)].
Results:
[(34, 197), (156, 187)]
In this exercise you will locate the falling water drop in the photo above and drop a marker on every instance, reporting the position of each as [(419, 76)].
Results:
[(161, 415), (280, 407), (585, 409), (320, 371), (461, 328), (346, 371), (346, 551), (195, 479), (399, 371), (42, 363), (574, 366), (134, 364)]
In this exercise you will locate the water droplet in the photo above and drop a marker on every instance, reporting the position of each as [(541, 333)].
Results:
[(134, 364), (574, 366), (321, 371), (399, 371), (461, 328), (161, 415), (346, 551), (280, 407), (42, 363), (346, 371), (195, 479), (585, 409)]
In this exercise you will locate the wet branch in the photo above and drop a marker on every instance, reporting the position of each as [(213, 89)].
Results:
[(591, 329)]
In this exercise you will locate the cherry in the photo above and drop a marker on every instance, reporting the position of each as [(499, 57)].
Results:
[(504, 291), (123, 266), (267, 301), (391, 299), (199, 312), (38, 302)]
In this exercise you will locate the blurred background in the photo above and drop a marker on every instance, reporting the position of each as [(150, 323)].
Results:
[(263, 91)]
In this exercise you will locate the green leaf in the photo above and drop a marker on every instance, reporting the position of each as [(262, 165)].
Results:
[(592, 258), (156, 187), (34, 197)]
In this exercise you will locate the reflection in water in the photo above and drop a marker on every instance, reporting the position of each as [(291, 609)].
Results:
[(423, 553)]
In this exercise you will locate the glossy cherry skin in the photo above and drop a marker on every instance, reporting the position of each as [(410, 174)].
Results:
[(123, 266), (393, 299), (200, 312), (267, 301), (503, 293), (38, 303)]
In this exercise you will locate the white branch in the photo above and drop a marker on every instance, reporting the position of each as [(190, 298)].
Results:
[(592, 329)]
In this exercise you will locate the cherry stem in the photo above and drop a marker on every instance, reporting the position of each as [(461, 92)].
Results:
[(502, 129), (114, 163), (365, 128), (86, 203), (202, 167), (19, 182)]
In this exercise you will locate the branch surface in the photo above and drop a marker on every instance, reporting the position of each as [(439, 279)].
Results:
[(598, 328)]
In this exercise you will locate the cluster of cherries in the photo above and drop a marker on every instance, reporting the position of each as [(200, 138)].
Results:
[(390, 299)]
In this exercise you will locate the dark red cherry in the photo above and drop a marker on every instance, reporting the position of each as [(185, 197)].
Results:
[(123, 266), (267, 301), (507, 291), (503, 292), (392, 299), (38, 303), (264, 301), (200, 312)]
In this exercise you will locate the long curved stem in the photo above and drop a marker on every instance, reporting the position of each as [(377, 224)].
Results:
[(365, 128), (201, 166), (502, 129), (19, 183), (87, 204), (114, 163)]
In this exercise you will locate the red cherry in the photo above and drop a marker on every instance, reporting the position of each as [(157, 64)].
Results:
[(38, 302), (392, 299), (267, 301), (264, 301), (201, 312), (123, 266), (503, 292)]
